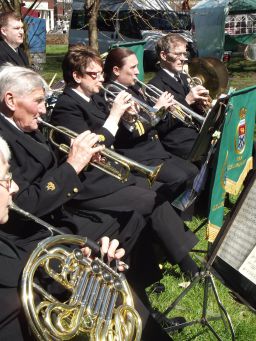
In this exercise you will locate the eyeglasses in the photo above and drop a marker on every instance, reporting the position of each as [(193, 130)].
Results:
[(94, 75), (180, 54), (8, 181)]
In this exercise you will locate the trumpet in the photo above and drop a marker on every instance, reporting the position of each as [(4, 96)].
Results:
[(150, 115), (103, 159), (95, 303), (178, 110), (204, 107)]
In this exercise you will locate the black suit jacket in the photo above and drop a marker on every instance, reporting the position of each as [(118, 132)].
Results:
[(43, 186), (145, 147), (75, 113), (7, 54), (176, 137)]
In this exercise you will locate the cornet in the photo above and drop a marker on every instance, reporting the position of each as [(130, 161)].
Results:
[(150, 114), (94, 301), (178, 110), (103, 160)]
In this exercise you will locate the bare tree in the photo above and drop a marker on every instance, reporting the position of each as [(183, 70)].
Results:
[(92, 6)]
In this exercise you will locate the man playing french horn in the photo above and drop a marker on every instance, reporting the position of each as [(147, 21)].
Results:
[(12, 259), (172, 54)]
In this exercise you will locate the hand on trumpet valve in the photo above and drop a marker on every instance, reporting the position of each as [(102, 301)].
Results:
[(82, 149), (121, 103), (109, 249), (166, 100), (197, 93)]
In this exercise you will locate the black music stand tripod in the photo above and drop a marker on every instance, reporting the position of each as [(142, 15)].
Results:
[(206, 278)]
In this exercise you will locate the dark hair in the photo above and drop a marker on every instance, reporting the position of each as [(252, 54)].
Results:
[(77, 59), (115, 57), (5, 16), (165, 42)]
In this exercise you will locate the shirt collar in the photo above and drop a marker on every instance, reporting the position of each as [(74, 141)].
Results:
[(86, 98), (11, 121), (173, 75)]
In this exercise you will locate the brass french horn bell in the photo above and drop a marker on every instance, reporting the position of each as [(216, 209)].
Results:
[(212, 72)]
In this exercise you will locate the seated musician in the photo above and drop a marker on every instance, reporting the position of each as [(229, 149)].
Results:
[(142, 143), (45, 186), (172, 53), (13, 325), (82, 72)]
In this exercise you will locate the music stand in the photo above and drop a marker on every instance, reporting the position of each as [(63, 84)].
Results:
[(213, 121), (224, 244)]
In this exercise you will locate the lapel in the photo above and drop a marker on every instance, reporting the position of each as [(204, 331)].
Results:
[(35, 146), (89, 108), (172, 83), (23, 56), (14, 56)]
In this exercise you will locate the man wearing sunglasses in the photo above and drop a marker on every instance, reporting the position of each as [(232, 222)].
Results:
[(172, 54)]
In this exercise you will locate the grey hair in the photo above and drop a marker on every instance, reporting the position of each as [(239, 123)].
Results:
[(19, 80), (4, 150)]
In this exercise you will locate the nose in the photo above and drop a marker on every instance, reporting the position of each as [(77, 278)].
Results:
[(42, 108), (14, 188)]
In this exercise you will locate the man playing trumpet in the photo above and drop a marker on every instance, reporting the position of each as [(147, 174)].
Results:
[(172, 53)]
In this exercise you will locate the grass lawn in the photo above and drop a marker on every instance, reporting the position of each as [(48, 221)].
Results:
[(242, 74)]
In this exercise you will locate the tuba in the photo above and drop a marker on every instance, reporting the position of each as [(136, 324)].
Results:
[(108, 160), (88, 298), (210, 73)]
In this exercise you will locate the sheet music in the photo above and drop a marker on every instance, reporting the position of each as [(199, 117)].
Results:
[(248, 268), (240, 240)]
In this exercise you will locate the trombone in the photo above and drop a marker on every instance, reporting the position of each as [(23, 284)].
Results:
[(178, 110), (151, 115), (103, 159)]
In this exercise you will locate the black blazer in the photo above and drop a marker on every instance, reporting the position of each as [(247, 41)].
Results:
[(7, 54), (73, 112), (52, 192), (145, 147), (176, 137), (165, 82)]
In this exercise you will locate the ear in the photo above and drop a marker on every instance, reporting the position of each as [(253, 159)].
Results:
[(77, 77), (9, 101), (163, 56), (116, 71), (2, 30)]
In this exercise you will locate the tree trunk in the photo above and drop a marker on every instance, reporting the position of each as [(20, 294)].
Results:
[(93, 8)]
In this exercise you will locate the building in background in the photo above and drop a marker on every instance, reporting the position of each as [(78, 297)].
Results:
[(53, 11)]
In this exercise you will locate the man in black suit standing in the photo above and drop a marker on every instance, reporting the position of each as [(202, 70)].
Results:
[(172, 53), (12, 36)]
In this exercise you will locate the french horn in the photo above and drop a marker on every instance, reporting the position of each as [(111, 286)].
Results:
[(66, 295)]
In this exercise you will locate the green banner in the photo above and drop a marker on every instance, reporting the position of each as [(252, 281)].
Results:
[(233, 160)]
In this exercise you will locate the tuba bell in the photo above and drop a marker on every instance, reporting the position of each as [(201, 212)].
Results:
[(67, 295)]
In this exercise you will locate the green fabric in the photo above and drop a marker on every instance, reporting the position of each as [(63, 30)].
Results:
[(138, 48), (232, 41), (234, 157), (242, 6)]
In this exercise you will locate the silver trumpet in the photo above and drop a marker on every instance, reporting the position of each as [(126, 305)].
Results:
[(178, 110), (107, 160), (149, 114), (94, 300)]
